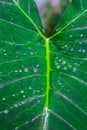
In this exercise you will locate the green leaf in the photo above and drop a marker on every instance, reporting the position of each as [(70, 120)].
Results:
[(43, 81)]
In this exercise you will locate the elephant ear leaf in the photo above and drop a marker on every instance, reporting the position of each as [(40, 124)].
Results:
[(43, 81)]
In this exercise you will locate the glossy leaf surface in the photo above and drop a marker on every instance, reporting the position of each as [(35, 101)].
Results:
[(43, 81)]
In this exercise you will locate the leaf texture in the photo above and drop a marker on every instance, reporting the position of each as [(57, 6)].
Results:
[(43, 81)]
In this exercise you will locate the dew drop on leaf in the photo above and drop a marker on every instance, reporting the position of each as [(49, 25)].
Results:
[(25, 69), (6, 111), (35, 70)]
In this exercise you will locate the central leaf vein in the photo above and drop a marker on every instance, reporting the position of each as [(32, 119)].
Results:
[(48, 72)]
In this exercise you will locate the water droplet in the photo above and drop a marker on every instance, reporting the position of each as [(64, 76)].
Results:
[(31, 53), (65, 46), (5, 54), (20, 71), (15, 71), (76, 64), (37, 65), (15, 105), (16, 128), (80, 43), (71, 49), (13, 95), (35, 70), (22, 91), (29, 88), (74, 69), (34, 91), (81, 35), (58, 67), (60, 60), (79, 50), (24, 54), (3, 99), (70, 36), (38, 91), (63, 62), (22, 102), (65, 68), (25, 69), (5, 111), (83, 51), (24, 96), (60, 83)]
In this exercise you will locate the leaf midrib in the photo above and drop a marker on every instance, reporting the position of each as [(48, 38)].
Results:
[(48, 72)]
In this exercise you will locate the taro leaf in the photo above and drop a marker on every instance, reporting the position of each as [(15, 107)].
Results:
[(43, 81)]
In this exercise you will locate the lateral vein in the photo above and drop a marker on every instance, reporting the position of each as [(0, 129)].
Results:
[(73, 20)]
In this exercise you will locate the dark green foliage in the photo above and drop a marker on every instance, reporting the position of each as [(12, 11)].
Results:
[(43, 81)]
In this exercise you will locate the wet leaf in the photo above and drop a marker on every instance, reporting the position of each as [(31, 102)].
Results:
[(43, 81)]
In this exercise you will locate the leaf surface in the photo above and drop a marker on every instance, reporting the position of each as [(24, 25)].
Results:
[(43, 81)]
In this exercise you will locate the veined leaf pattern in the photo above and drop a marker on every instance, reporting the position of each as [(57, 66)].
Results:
[(43, 81)]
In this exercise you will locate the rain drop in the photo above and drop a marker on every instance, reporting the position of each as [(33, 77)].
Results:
[(24, 54), (16, 128), (6, 111), (70, 36), (80, 43), (74, 69), (20, 71), (81, 35), (31, 53), (58, 67), (22, 91), (13, 95), (24, 96), (3, 99), (25, 69), (83, 51), (65, 68), (15, 105), (71, 49), (15, 71), (65, 46), (4, 50), (29, 88), (5, 54), (63, 62), (35, 70)]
